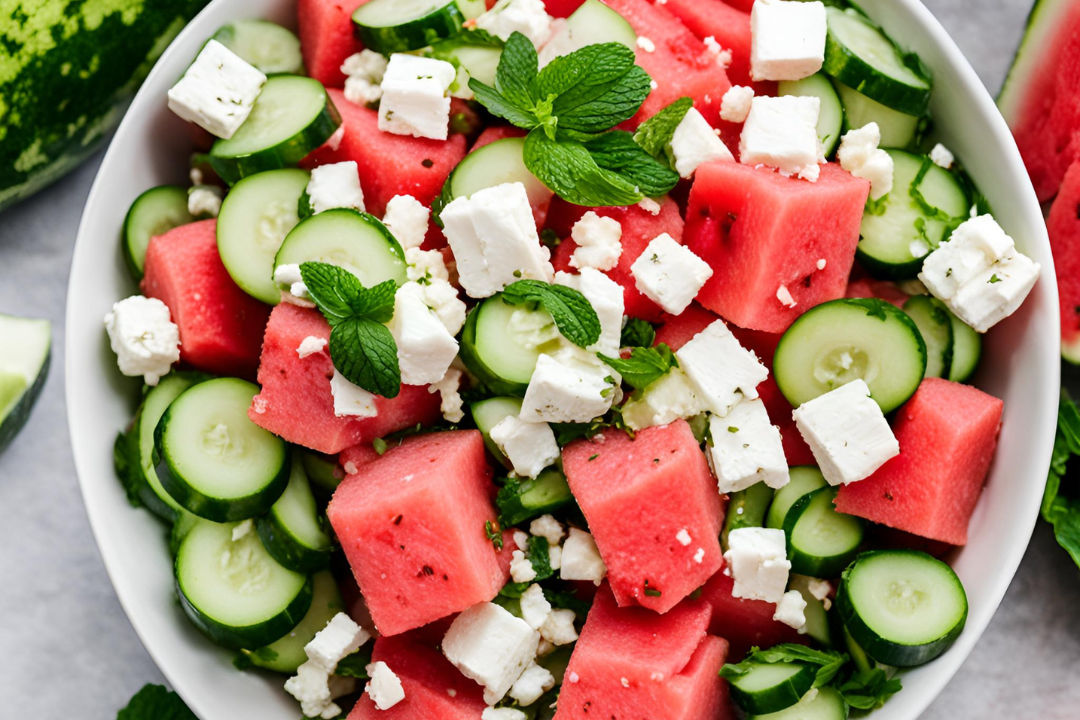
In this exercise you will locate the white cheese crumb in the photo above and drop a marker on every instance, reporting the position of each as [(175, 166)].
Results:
[(242, 530), (821, 264), (790, 610), (942, 157), (407, 220), (146, 341), (310, 346), (683, 537), (547, 527), (204, 201), (646, 44), (699, 555), (364, 71), (450, 397), (384, 688), (598, 241), (351, 400), (860, 155), (784, 296), (736, 103), (521, 568), (650, 206)]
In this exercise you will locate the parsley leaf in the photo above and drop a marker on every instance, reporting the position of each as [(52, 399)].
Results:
[(154, 702), (355, 665), (572, 313), (828, 663), (869, 689), (637, 333), (656, 133), (644, 366), (616, 151), (569, 170)]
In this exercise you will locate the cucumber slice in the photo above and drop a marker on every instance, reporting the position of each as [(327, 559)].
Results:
[(771, 687), (746, 508), (817, 619), (898, 130), (936, 326), (394, 26), (821, 541), (831, 120), (896, 232), (904, 608), (256, 216), (523, 499), (234, 591), (292, 116), (967, 350), (292, 531), (825, 704), (323, 471), (862, 57), (266, 45), (353, 240), (25, 352), (489, 413), (495, 164), (858, 655), (213, 460), (843, 340), (805, 479), (501, 343), (155, 212), (287, 654), (591, 24), (185, 522), (473, 57)]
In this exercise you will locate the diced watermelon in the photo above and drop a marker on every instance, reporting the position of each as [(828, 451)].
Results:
[(677, 330), (221, 326), (947, 434), (389, 164), (744, 5), (867, 287), (562, 8), (1064, 228), (761, 231), (412, 526), (326, 37), (744, 623), (434, 689), (639, 228), (497, 132), (296, 402), (353, 458), (638, 496)]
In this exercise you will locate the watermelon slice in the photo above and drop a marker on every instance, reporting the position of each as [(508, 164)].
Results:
[(867, 287), (221, 326), (562, 8), (353, 458), (412, 526), (326, 37), (639, 497), (744, 623), (1039, 96), (296, 403), (775, 242), (389, 164), (497, 132), (1063, 225), (947, 434), (433, 687)]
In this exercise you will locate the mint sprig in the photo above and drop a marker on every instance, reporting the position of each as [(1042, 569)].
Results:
[(361, 347), (573, 314), (827, 662), (637, 333), (656, 133), (154, 702), (645, 365)]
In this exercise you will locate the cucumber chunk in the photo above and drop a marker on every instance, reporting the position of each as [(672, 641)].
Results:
[(746, 508), (499, 162), (824, 704), (843, 340), (394, 26), (155, 212), (213, 460), (898, 130), (489, 413), (523, 499), (771, 687), (817, 620), (821, 541), (967, 350), (292, 531), (473, 57), (591, 24), (805, 479), (831, 120), (234, 591), (323, 471), (904, 608), (266, 45), (25, 352), (287, 654), (501, 343), (936, 326)]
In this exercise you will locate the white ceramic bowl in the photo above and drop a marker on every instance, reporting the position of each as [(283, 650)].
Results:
[(1020, 365)]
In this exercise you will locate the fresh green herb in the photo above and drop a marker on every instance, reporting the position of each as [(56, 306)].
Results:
[(644, 366), (874, 308), (1061, 506), (732, 429), (994, 279), (572, 313), (536, 550), (868, 690), (827, 662), (127, 465), (655, 134), (651, 592), (355, 665), (514, 590), (931, 211), (379, 446), (637, 333), (877, 207), (154, 702), (550, 238), (494, 534), (242, 662), (568, 601), (593, 457)]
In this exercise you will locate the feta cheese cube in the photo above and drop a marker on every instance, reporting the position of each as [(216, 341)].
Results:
[(384, 688), (146, 341), (533, 683), (790, 610), (547, 527), (581, 559), (649, 205), (941, 156), (364, 72), (414, 99), (204, 201), (494, 239), (530, 446), (407, 220), (787, 40), (559, 628), (311, 688), (781, 132), (859, 155), (598, 241), (491, 646), (722, 371), (757, 560), (351, 400), (555, 557), (425, 266), (425, 348), (570, 386), (534, 607), (340, 638), (997, 293), (670, 274), (335, 186), (666, 400), (746, 449), (695, 143), (442, 298), (521, 568), (503, 713), (847, 433), (735, 105), (607, 299), (528, 17), (449, 395), (218, 91)]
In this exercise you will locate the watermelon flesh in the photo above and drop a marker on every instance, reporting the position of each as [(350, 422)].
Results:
[(638, 495), (326, 37), (296, 403), (412, 526), (867, 287), (1063, 226), (744, 623), (761, 232), (947, 434), (221, 326), (562, 8)]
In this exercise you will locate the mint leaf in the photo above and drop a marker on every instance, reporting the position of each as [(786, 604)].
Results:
[(376, 303), (869, 689), (572, 313), (568, 169), (364, 351), (637, 333), (332, 288), (594, 88), (536, 550), (827, 662), (644, 366), (656, 133), (517, 72), (616, 151), (500, 106), (154, 702), (355, 665)]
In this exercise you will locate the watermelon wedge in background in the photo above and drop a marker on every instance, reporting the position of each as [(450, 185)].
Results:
[(1063, 226)]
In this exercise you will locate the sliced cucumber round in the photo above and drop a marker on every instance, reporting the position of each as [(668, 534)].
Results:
[(843, 340), (967, 350), (292, 116), (821, 541), (831, 119), (25, 352), (898, 130), (824, 704), (746, 508), (323, 471), (527, 498), (266, 45), (489, 413), (501, 343), (862, 57), (858, 656), (805, 479), (771, 687), (474, 55), (293, 531), (213, 460), (394, 26), (234, 591), (256, 216), (591, 24), (935, 323), (155, 212), (495, 164), (904, 608), (817, 620)]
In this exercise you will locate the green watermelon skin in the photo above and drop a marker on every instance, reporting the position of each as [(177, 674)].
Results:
[(67, 71)]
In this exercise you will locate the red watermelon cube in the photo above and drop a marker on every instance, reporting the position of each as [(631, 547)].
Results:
[(434, 689), (744, 623), (761, 231), (296, 402), (326, 37), (221, 326), (412, 526), (641, 497), (389, 164), (677, 330), (562, 8), (947, 434)]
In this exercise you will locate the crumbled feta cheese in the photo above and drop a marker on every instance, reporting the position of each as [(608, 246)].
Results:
[(570, 386), (821, 264), (384, 688), (521, 568), (670, 274), (414, 100), (204, 201), (859, 155), (547, 527), (442, 298), (493, 236), (787, 40), (722, 371), (289, 277), (581, 559), (757, 560), (449, 395), (598, 241), (242, 530), (942, 157), (555, 557), (607, 299), (407, 220), (146, 341), (491, 646), (746, 449), (790, 610), (559, 629), (847, 433), (424, 266), (784, 296), (335, 186), (503, 713), (649, 205), (364, 72), (694, 143), (533, 683), (736, 103), (699, 555), (351, 400), (722, 56), (425, 348), (316, 691), (646, 44), (918, 248), (340, 638), (666, 400), (684, 537), (217, 91), (781, 132), (521, 539), (534, 606), (195, 175), (997, 293), (530, 446), (527, 17)]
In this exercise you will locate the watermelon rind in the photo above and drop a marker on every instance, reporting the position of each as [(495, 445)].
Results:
[(1043, 22), (25, 352)]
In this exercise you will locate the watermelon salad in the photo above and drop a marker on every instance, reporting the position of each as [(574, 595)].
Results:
[(565, 360)]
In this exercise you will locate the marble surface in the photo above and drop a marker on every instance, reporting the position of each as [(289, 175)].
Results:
[(65, 639)]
